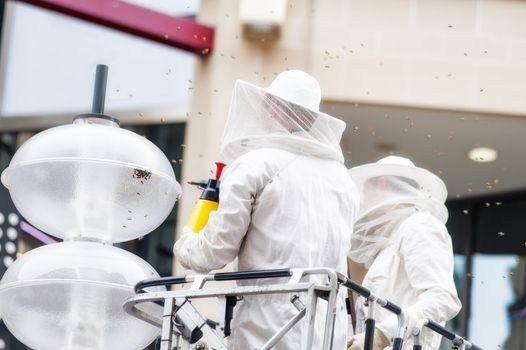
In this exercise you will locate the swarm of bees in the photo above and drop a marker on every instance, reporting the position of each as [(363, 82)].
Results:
[(141, 174)]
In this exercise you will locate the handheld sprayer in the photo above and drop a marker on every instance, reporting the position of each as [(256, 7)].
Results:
[(208, 202)]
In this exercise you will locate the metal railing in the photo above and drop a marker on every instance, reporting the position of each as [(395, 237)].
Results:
[(458, 342), (182, 325)]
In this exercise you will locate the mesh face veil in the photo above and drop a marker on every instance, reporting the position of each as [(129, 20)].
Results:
[(380, 191), (288, 115), (283, 116), (373, 232)]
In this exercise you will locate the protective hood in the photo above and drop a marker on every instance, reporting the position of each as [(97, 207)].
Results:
[(285, 116), (391, 190)]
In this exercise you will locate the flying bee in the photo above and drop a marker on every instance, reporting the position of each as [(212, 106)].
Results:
[(141, 174)]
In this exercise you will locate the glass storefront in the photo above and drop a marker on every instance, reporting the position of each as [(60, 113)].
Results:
[(492, 295)]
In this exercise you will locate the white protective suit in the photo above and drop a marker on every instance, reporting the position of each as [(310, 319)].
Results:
[(286, 201), (401, 239)]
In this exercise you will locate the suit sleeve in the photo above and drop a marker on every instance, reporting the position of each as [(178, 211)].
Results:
[(219, 242), (428, 260)]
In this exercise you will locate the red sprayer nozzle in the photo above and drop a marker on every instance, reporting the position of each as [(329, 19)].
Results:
[(219, 169)]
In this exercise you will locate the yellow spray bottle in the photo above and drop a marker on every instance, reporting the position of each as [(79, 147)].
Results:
[(208, 202)]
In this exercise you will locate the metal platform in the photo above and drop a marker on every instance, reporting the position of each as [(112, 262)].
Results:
[(184, 328)]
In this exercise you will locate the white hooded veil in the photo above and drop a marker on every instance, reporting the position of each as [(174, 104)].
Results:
[(285, 115), (391, 190)]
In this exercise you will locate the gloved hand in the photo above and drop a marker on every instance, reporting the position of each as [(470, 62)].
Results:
[(357, 341), (181, 247), (201, 345)]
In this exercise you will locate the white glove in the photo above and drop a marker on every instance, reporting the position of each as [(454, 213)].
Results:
[(357, 341), (181, 247), (201, 345)]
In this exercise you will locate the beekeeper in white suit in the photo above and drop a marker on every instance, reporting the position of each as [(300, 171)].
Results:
[(286, 200), (402, 244)]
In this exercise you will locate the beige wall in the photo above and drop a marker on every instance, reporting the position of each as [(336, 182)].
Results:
[(426, 53)]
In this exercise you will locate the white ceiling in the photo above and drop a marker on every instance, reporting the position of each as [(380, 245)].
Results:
[(439, 141)]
